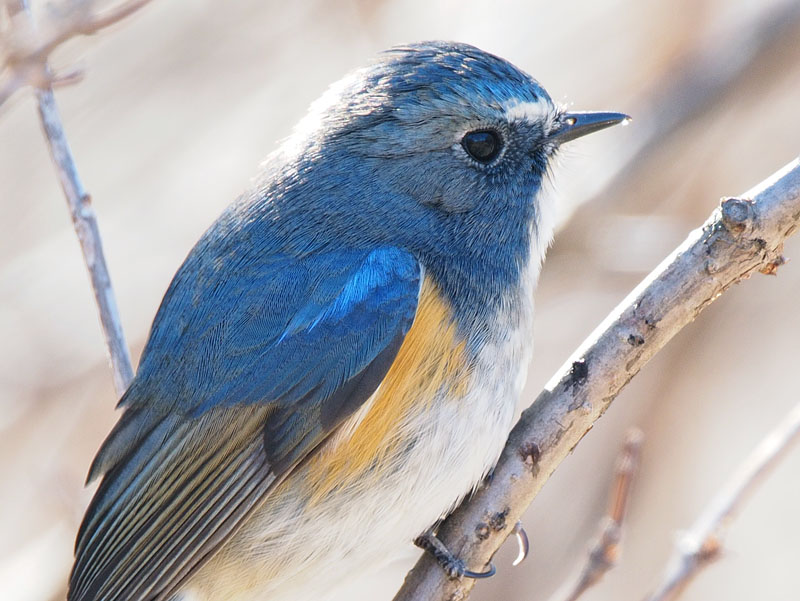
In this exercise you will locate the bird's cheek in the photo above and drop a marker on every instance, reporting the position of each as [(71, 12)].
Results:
[(540, 158)]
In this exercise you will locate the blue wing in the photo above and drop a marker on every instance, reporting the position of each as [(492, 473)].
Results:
[(252, 362)]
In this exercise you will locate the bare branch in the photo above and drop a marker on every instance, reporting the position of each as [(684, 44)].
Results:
[(84, 220), (604, 551), (743, 236), (26, 49), (100, 21), (701, 545)]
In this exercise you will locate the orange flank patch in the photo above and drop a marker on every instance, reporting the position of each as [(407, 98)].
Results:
[(430, 360)]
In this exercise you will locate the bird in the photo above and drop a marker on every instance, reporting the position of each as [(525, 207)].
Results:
[(337, 362)]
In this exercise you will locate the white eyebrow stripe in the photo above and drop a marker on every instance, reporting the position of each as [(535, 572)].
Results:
[(527, 111)]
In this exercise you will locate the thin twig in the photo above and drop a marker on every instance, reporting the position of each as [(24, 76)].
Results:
[(85, 222), (83, 216), (702, 545), (743, 236), (605, 550), (26, 51)]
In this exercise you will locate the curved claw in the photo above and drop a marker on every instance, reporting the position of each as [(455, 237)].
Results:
[(524, 544), (478, 575)]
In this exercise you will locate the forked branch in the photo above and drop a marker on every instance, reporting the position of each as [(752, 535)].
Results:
[(25, 48)]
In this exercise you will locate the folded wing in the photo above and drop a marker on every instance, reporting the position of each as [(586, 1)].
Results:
[(249, 367)]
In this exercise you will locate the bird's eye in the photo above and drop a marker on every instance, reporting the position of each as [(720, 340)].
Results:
[(483, 145)]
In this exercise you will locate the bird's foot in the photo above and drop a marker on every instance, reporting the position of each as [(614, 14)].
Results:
[(452, 565)]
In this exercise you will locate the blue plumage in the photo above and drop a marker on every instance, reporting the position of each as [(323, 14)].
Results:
[(309, 338), (341, 306), (289, 312)]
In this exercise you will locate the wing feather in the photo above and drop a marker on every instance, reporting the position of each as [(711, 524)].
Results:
[(259, 386), (199, 485), (205, 520)]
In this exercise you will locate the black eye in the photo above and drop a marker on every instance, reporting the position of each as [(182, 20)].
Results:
[(483, 145)]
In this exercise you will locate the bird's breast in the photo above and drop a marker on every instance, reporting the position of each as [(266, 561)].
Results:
[(443, 410)]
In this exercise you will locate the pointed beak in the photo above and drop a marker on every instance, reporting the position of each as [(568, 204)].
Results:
[(578, 124)]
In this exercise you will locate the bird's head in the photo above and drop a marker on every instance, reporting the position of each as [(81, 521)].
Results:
[(438, 147)]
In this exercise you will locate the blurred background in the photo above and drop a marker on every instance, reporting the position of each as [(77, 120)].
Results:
[(183, 100)]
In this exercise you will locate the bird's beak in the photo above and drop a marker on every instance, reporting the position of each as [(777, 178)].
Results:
[(575, 125)]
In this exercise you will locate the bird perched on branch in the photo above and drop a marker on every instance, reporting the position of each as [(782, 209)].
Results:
[(337, 362)]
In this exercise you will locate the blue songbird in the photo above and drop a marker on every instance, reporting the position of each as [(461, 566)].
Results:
[(337, 362)]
